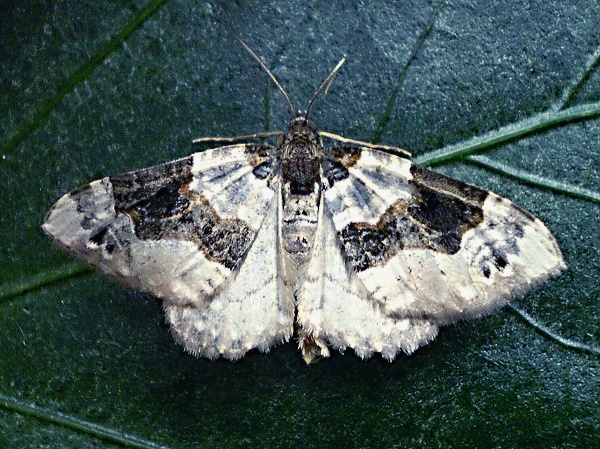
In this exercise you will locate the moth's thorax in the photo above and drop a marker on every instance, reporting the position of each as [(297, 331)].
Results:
[(300, 155), (300, 189), (301, 133)]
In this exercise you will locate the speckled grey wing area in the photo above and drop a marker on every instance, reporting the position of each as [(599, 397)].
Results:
[(184, 231), (336, 310), (423, 245)]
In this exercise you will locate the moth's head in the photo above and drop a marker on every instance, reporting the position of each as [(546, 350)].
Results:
[(301, 133), (301, 125)]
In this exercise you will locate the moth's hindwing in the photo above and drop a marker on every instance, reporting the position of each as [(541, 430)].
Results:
[(335, 309), (188, 231), (426, 246)]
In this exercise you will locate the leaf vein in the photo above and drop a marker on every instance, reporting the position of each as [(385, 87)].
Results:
[(42, 113), (72, 422)]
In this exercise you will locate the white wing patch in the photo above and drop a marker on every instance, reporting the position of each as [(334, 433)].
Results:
[(226, 180), (250, 311), (334, 308), (376, 181)]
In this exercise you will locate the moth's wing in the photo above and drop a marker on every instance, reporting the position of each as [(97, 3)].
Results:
[(186, 231), (335, 309), (253, 311), (426, 245)]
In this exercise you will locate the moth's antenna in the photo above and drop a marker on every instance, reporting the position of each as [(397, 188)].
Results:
[(264, 67), (325, 86)]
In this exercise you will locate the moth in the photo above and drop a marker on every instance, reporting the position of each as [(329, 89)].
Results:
[(350, 246)]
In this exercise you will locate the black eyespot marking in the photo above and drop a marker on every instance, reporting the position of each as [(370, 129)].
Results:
[(499, 260), (98, 237), (486, 271), (334, 171), (335, 167), (263, 170), (106, 238)]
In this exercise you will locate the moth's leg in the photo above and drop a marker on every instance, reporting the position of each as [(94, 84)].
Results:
[(262, 135), (312, 348), (395, 150)]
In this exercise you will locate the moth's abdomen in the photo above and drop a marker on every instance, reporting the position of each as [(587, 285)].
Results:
[(299, 220)]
